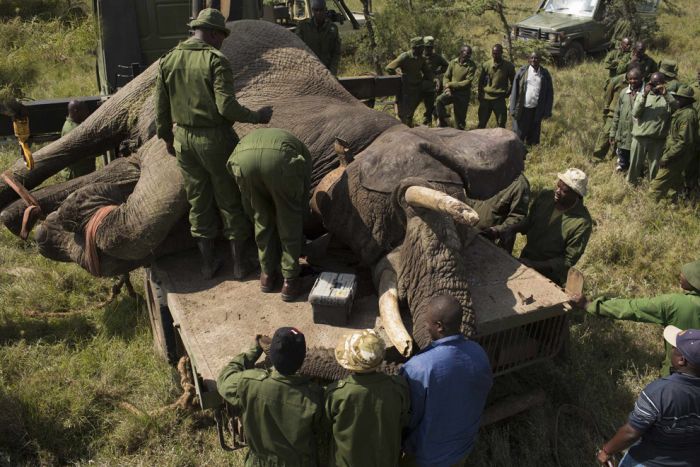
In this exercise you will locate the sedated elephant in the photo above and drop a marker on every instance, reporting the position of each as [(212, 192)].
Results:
[(398, 204)]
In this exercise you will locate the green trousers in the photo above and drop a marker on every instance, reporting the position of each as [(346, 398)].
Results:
[(407, 107), (497, 106), (644, 152), (276, 184), (202, 154), (460, 105), (669, 180), (602, 143), (429, 103)]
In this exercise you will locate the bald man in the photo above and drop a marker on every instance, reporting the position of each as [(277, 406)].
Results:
[(78, 111), (449, 383)]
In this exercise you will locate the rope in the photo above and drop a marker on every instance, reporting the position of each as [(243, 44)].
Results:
[(92, 257), (186, 401), (30, 201)]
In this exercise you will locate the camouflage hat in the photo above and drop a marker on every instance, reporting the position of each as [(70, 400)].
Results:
[(669, 68), (417, 42), (684, 91), (360, 351), (691, 272), (576, 180), (429, 41), (210, 18)]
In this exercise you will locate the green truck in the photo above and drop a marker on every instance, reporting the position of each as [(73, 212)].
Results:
[(574, 28)]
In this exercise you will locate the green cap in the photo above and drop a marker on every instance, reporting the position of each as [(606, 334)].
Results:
[(417, 42), (210, 18), (428, 41), (691, 272), (685, 91), (669, 68)]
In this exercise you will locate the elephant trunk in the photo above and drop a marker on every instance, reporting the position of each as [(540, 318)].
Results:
[(101, 131), (431, 264)]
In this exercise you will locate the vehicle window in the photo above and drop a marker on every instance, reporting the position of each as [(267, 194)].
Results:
[(571, 7)]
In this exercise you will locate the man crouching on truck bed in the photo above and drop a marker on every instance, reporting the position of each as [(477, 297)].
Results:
[(282, 412)]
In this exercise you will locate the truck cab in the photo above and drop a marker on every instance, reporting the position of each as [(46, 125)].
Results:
[(573, 28)]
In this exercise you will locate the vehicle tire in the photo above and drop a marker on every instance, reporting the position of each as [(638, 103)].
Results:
[(572, 54)]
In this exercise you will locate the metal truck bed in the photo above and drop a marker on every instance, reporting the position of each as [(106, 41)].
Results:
[(520, 314)]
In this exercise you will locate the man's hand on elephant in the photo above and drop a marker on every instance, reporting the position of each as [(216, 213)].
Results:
[(578, 301), (490, 233), (265, 114)]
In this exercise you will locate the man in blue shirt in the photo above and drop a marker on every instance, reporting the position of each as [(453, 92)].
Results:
[(664, 427), (449, 382)]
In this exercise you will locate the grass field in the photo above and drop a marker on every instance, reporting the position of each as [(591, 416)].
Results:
[(66, 361)]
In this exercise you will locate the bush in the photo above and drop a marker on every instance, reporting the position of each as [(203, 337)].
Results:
[(45, 9)]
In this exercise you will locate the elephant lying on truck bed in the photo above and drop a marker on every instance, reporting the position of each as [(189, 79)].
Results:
[(388, 205)]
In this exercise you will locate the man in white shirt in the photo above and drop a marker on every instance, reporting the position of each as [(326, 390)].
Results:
[(531, 100)]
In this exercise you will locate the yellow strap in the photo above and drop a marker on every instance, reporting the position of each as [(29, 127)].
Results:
[(21, 128)]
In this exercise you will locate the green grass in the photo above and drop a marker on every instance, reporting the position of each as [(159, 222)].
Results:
[(61, 378)]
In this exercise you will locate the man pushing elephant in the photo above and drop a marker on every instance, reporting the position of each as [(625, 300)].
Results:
[(194, 90), (273, 170)]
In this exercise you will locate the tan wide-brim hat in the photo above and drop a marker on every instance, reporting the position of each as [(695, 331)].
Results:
[(210, 18), (360, 351), (576, 180)]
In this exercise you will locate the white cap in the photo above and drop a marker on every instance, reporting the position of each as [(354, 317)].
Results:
[(670, 334), (576, 180)]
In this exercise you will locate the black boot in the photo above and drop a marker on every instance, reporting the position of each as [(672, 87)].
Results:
[(242, 260), (210, 263)]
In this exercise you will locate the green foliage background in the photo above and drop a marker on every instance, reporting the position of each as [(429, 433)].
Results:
[(66, 362)]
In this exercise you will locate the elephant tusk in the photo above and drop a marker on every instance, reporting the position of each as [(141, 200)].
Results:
[(391, 315), (427, 198)]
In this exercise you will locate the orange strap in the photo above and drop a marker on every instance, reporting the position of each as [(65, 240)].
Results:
[(92, 258), (32, 204)]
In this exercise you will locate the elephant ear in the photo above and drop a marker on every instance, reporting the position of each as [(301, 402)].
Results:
[(489, 160), (399, 154)]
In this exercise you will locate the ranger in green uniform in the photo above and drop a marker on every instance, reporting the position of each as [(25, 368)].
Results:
[(77, 113), (282, 412), (652, 118), (669, 68), (415, 74), (457, 82), (438, 65), (616, 60), (622, 121), (502, 211), (692, 171), (558, 227), (194, 90), (680, 146), (647, 64), (676, 309), (367, 410), (273, 171), (495, 83), (321, 35)]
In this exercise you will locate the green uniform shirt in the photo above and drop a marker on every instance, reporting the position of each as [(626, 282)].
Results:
[(677, 309), (437, 63), (496, 80), (414, 71), (83, 166), (681, 139), (195, 88), (648, 66), (652, 115), (323, 41), (367, 413), (282, 415), (560, 241), (459, 77), (621, 127), (507, 208), (68, 126), (616, 62)]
